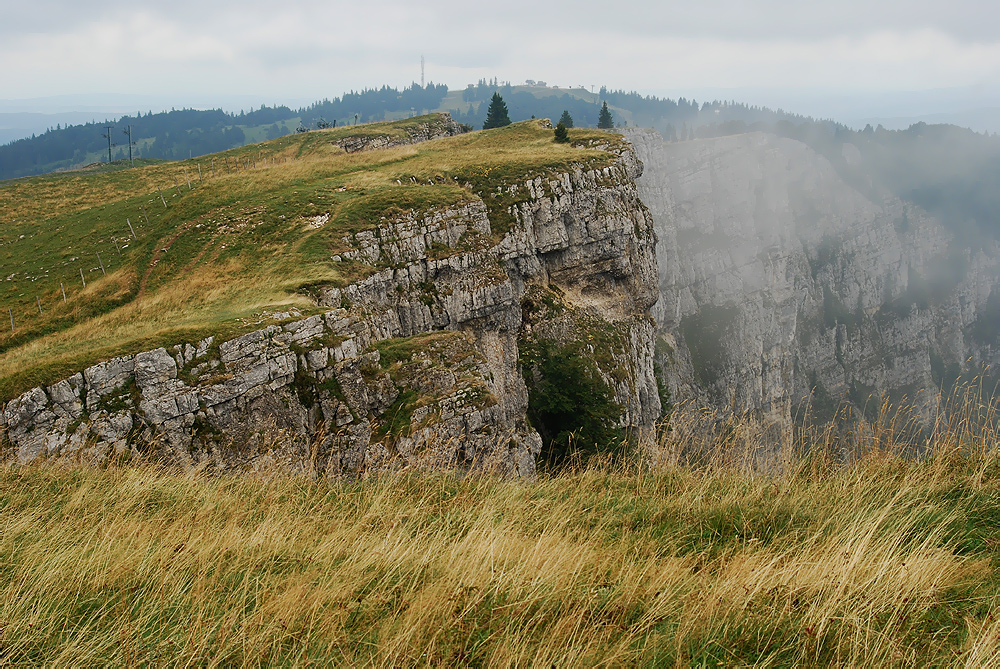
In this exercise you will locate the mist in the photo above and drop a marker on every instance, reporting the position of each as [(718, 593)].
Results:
[(805, 263)]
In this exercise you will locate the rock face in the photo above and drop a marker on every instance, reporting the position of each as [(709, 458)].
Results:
[(781, 283), (441, 126), (417, 364)]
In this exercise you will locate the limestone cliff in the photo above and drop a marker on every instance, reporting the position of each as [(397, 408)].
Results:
[(781, 282), (417, 364)]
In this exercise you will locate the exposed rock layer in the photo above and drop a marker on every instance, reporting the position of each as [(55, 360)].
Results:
[(416, 364), (780, 282)]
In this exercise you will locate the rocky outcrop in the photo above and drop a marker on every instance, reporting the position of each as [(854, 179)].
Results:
[(780, 282), (417, 364), (442, 125)]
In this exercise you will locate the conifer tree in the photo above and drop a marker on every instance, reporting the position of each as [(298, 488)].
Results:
[(566, 119), (496, 115), (604, 119), (562, 137)]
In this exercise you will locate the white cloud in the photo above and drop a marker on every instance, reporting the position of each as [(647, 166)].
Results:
[(299, 49)]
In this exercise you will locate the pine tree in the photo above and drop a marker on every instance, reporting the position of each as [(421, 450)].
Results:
[(496, 115), (566, 119), (604, 119), (562, 137)]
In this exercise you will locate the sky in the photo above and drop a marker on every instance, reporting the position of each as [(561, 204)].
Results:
[(846, 57)]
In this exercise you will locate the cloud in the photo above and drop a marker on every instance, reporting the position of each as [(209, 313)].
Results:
[(305, 48)]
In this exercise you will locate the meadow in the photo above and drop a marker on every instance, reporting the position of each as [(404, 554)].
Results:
[(851, 551)]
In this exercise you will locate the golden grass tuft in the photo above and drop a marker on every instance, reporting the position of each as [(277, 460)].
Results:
[(877, 559)]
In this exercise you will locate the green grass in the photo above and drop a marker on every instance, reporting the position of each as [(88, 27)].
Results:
[(233, 246)]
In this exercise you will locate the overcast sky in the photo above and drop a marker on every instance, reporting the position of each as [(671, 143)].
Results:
[(298, 50)]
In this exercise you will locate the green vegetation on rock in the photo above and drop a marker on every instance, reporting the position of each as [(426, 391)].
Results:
[(569, 403)]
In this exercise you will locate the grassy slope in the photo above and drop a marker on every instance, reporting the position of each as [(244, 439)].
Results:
[(229, 247), (887, 563)]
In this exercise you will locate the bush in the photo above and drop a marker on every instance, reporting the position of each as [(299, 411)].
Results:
[(562, 136), (568, 403)]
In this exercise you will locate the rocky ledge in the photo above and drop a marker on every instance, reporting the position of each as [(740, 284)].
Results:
[(416, 365)]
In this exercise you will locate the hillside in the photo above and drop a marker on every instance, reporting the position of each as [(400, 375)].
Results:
[(309, 282), (253, 238)]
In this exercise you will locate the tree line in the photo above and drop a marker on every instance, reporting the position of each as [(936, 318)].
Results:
[(183, 133)]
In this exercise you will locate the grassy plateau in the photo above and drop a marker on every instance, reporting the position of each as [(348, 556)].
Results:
[(218, 242)]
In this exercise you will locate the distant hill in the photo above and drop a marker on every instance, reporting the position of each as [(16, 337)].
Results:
[(187, 133), (949, 171)]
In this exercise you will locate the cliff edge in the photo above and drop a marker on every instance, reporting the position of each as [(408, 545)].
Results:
[(417, 363)]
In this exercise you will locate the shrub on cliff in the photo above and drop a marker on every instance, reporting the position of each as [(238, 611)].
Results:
[(568, 403), (562, 137)]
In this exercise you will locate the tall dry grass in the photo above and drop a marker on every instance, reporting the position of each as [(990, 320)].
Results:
[(881, 559)]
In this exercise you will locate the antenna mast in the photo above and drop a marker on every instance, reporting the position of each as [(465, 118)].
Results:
[(421, 72)]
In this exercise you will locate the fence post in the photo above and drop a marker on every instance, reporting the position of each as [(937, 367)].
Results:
[(11, 312), (101, 264), (63, 289), (39, 300), (83, 279), (131, 230)]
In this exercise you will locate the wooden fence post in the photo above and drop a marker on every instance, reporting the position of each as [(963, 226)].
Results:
[(101, 264), (63, 289), (83, 279)]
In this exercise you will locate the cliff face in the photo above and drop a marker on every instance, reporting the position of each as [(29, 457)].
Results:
[(414, 365), (781, 283)]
